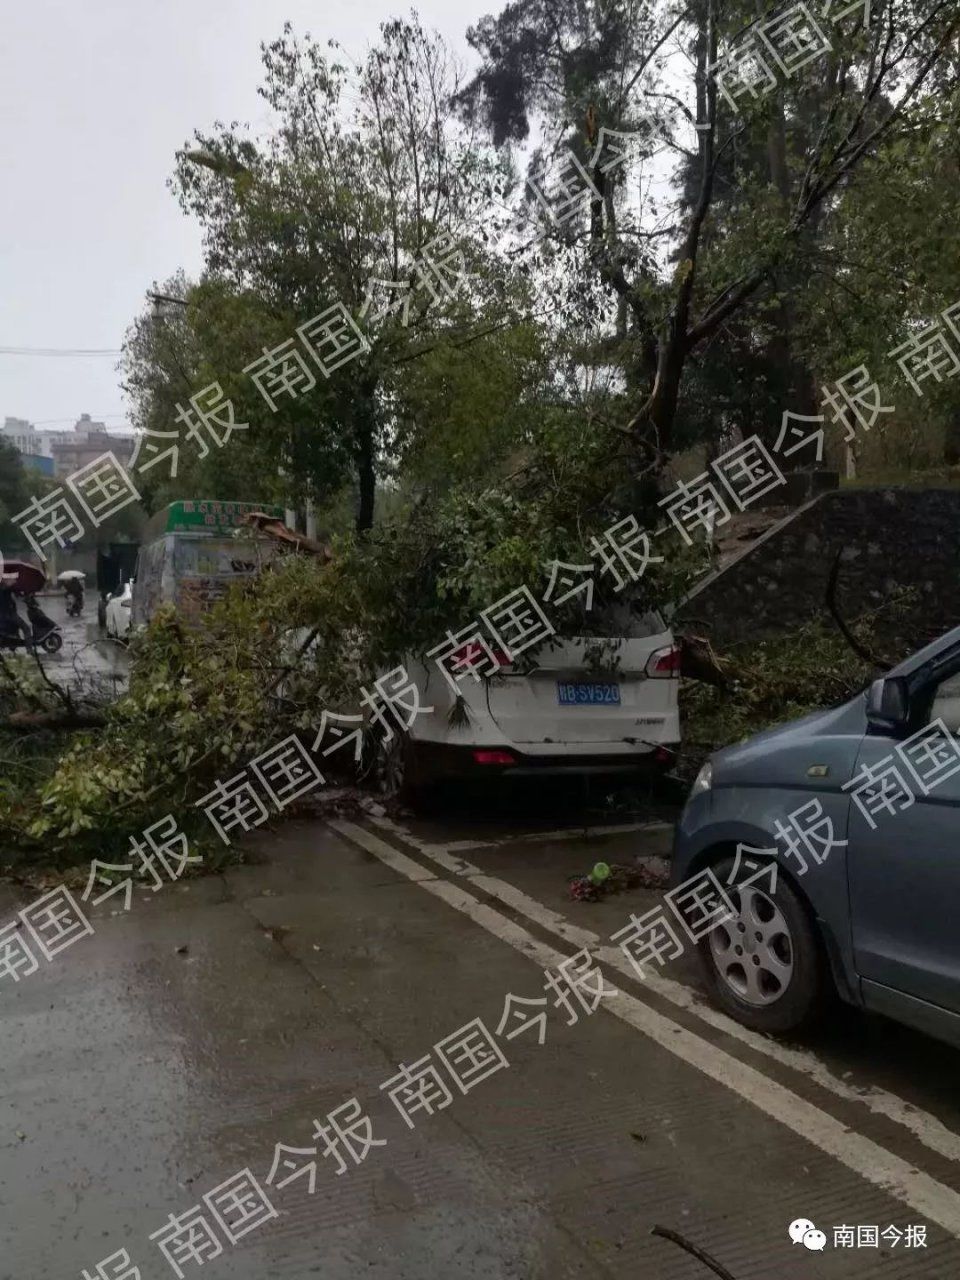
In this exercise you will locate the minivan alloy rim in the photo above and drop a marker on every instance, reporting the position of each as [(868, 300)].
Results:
[(753, 950)]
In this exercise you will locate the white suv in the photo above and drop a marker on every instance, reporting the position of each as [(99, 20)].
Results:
[(117, 614), (587, 705)]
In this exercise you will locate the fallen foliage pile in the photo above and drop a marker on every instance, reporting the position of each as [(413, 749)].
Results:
[(606, 879)]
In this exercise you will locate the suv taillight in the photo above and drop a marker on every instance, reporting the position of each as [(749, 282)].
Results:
[(494, 757), (664, 664), (473, 655)]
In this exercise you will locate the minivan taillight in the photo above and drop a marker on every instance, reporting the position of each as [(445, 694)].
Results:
[(664, 663)]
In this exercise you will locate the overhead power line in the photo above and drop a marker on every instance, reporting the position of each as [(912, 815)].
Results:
[(59, 351)]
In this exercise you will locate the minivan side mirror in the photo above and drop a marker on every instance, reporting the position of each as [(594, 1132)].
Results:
[(888, 706)]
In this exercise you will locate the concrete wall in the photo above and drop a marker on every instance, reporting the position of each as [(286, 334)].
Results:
[(890, 538)]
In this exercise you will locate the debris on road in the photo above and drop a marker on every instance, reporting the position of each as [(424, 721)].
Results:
[(604, 878), (700, 1254), (654, 871)]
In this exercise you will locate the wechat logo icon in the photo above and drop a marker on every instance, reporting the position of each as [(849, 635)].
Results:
[(802, 1231)]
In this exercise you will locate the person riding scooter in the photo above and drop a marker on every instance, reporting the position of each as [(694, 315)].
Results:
[(14, 632), (46, 633), (13, 629)]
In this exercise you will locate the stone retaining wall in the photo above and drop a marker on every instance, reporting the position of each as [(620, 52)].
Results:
[(888, 539)]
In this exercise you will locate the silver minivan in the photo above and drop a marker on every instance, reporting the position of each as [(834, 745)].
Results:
[(858, 809)]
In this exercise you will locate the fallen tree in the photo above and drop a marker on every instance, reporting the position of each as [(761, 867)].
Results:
[(287, 538), (322, 621)]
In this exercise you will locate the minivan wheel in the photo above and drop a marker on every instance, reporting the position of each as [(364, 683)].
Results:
[(765, 965)]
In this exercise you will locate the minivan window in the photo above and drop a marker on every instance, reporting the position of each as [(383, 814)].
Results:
[(946, 703)]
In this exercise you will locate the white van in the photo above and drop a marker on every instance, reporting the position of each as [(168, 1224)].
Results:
[(190, 556)]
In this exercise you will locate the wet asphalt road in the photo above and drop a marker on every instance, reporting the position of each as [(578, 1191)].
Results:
[(152, 1062), (88, 661)]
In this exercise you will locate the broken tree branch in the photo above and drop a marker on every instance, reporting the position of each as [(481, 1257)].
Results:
[(700, 1254), (699, 661), (27, 721)]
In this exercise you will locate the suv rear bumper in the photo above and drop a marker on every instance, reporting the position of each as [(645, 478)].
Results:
[(434, 761)]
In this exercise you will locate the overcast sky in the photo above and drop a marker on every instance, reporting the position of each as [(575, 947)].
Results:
[(95, 99)]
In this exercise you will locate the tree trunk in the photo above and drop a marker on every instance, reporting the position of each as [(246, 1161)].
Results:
[(29, 721), (850, 461), (365, 420), (666, 395), (674, 345), (366, 483), (799, 381)]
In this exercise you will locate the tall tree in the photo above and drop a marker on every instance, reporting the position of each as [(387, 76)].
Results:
[(367, 193), (652, 67), (13, 495)]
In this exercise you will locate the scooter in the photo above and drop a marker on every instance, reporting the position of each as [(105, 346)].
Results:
[(44, 632)]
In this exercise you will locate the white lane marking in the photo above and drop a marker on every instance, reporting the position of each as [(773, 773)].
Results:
[(569, 833), (531, 837), (862, 1155), (933, 1133), (456, 846)]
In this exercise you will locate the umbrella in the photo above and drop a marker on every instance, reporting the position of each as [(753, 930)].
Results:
[(27, 579), (69, 574)]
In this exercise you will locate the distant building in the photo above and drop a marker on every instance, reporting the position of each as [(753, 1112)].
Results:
[(87, 443), (38, 461), (22, 434), (64, 452)]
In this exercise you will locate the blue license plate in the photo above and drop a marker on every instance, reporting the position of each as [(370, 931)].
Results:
[(581, 693)]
